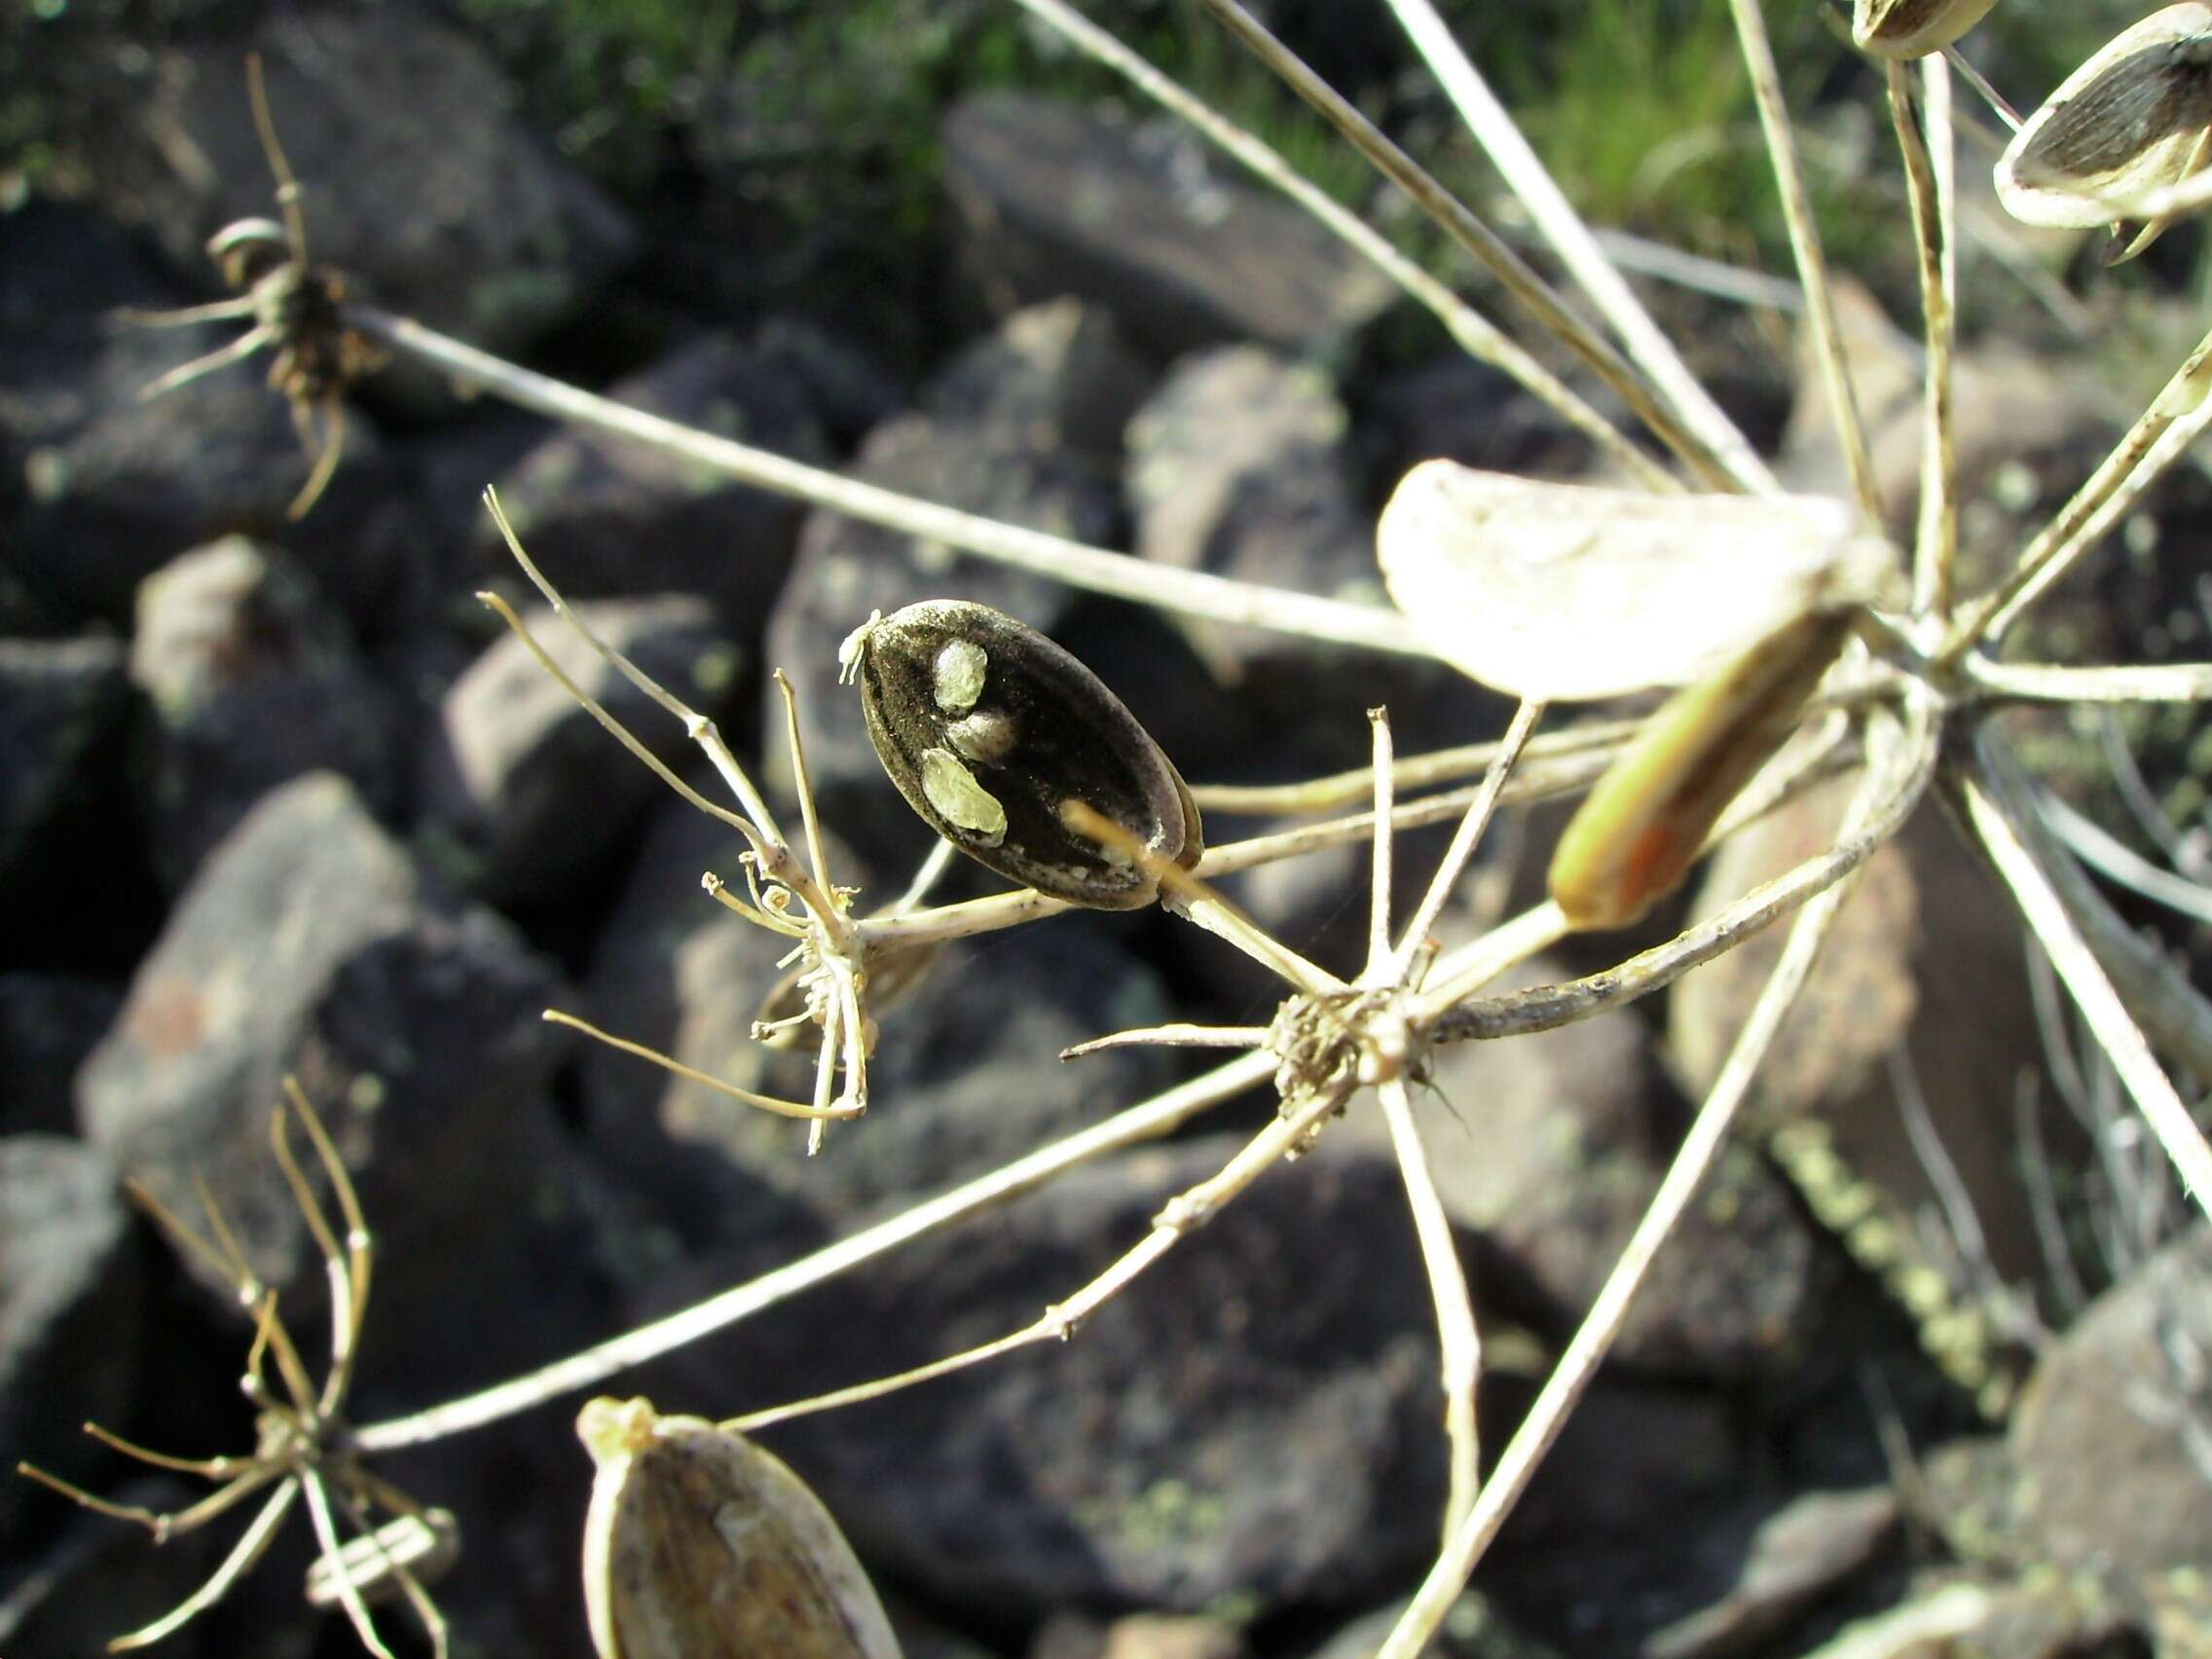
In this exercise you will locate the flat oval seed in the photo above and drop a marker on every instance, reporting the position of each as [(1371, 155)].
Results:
[(987, 727), (960, 670)]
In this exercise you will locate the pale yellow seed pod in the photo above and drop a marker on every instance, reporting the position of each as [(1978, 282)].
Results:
[(1913, 28), (1645, 823), (700, 1543), (2134, 120)]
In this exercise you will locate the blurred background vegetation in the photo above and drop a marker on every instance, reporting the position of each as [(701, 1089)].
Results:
[(802, 136)]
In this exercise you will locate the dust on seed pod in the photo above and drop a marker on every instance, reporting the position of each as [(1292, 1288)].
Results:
[(697, 1541), (988, 729)]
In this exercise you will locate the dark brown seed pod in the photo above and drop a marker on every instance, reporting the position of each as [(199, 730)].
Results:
[(988, 727)]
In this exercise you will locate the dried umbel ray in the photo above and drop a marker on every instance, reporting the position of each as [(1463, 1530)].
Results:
[(989, 729), (699, 1542), (1560, 592), (1912, 28), (2135, 119)]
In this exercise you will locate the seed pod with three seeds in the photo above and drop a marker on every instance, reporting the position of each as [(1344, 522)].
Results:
[(988, 729), (699, 1542)]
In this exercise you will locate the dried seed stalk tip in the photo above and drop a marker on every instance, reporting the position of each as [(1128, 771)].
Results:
[(1913, 28), (989, 728), (700, 1542)]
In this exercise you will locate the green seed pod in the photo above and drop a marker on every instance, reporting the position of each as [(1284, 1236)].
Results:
[(988, 727), (699, 1542)]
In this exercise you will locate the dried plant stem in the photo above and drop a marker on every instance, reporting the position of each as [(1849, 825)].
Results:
[(1414, 771), (1475, 334), (1994, 810), (1190, 593), (1577, 247), (1928, 183), (1458, 1342), (1180, 1217), (1579, 1364), (1805, 243), (1147, 1121), (1488, 250), (1463, 841), (2036, 682), (2161, 435)]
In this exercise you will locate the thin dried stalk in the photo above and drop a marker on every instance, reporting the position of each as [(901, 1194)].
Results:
[(1488, 250), (1994, 810), (1805, 243), (1577, 246), (1928, 181), (1099, 570), (2161, 437), (1149, 1120), (1475, 334)]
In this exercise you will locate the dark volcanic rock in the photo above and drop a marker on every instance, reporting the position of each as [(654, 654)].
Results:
[(522, 783), (2109, 1434), (308, 945), (69, 1310), (1170, 1454), (62, 708), (1055, 375), (48, 1024), (253, 680), (1143, 219), (604, 515)]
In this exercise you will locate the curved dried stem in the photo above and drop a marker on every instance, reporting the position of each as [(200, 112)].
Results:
[(676, 1068), (1805, 243), (1190, 593), (1578, 248), (1929, 189), (1990, 802), (1474, 333), (1488, 250), (1161, 1115)]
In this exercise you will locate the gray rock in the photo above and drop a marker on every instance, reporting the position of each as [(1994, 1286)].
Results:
[(308, 945), (1169, 1456), (2110, 1435), (521, 784), (1799, 1553), (1054, 376), (71, 1312), (455, 216), (846, 568), (1238, 468), (47, 1023), (1143, 219), (607, 516), (63, 705), (253, 680)]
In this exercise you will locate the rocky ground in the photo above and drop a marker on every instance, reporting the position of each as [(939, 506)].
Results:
[(280, 798)]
